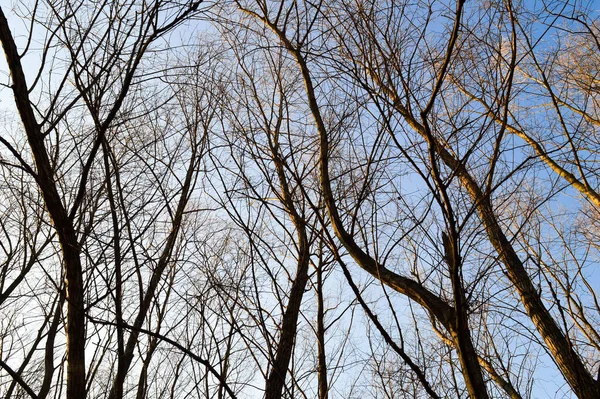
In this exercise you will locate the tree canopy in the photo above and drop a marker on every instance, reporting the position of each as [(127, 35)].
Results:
[(299, 199)]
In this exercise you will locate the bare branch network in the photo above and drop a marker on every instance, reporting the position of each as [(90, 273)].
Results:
[(299, 199)]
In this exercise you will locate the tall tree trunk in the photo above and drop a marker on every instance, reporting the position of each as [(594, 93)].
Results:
[(322, 360), (60, 219), (277, 376)]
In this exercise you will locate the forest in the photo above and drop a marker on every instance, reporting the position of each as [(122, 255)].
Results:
[(299, 199)]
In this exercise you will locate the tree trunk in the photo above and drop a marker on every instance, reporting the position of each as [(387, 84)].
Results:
[(62, 223)]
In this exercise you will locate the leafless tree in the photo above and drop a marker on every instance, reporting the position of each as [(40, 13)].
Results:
[(313, 199)]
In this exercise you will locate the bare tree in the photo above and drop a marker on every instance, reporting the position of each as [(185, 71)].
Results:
[(389, 63), (72, 123)]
